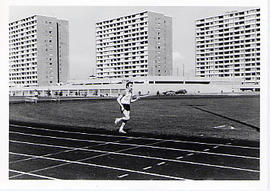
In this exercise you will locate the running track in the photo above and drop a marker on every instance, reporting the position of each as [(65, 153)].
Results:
[(45, 152)]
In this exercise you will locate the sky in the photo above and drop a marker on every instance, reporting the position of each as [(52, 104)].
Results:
[(82, 21)]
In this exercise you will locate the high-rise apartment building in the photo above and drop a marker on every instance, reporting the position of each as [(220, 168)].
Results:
[(133, 46), (228, 45), (38, 51)]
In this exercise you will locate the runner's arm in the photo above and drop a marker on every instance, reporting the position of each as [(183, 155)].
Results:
[(136, 99), (119, 99)]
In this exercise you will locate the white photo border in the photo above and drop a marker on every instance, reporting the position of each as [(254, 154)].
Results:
[(136, 185)]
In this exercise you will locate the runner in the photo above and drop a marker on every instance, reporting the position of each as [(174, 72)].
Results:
[(124, 101)]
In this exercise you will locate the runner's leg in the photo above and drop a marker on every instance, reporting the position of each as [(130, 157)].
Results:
[(124, 120), (118, 120)]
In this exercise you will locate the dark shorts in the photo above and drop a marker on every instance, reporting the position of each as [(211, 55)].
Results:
[(126, 107)]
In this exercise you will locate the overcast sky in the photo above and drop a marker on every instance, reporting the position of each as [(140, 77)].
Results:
[(82, 21)]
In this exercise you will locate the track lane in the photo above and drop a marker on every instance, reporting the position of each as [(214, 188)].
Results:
[(155, 154), (162, 145), (121, 152), (84, 164), (233, 143)]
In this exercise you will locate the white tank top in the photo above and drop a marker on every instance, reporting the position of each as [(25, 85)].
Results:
[(126, 99)]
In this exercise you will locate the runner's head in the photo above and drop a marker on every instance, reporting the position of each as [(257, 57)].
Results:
[(129, 85)]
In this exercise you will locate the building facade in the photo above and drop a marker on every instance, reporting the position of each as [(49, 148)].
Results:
[(228, 45), (38, 51), (133, 46)]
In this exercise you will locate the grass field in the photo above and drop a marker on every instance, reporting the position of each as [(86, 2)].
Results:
[(155, 116)]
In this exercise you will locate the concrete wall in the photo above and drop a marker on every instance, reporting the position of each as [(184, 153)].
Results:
[(159, 45), (46, 48), (63, 36), (52, 46), (144, 88), (191, 89), (168, 46)]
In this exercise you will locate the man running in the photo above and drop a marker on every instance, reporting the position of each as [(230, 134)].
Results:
[(124, 100)]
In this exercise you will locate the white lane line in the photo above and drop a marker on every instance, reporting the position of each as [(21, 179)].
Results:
[(215, 147), (64, 164), (19, 160), (62, 138), (83, 148), (148, 167), (56, 153), (141, 156), (206, 149), (161, 163), (102, 166), (190, 154), (31, 174), (144, 138), (180, 157), (59, 165), (136, 145), (65, 151), (45, 145), (122, 176)]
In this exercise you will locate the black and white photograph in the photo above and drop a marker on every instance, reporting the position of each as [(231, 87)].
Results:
[(152, 93)]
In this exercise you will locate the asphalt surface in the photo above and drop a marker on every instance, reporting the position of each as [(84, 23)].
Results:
[(47, 152)]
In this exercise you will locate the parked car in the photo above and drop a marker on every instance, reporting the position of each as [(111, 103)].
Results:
[(169, 93), (181, 91)]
